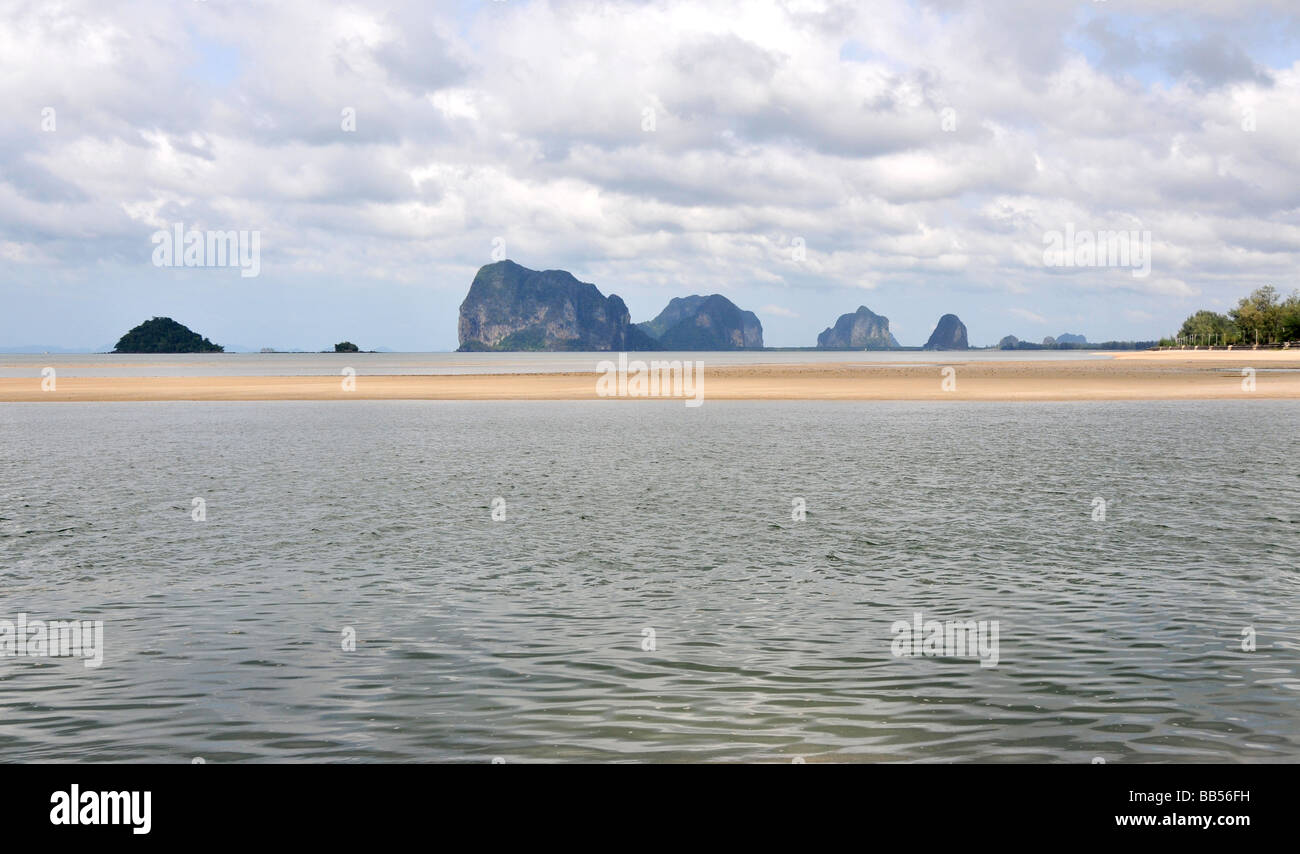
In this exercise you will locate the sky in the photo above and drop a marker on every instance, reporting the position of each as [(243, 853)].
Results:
[(802, 158)]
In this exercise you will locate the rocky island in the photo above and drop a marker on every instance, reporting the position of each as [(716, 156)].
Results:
[(705, 323), (510, 307), (949, 334), (861, 330)]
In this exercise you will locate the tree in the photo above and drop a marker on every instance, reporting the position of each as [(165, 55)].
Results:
[(346, 347), (1259, 316), (1207, 327), (1290, 317)]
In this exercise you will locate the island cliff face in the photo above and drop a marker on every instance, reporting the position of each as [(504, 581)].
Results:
[(861, 330), (949, 334), (705, 323), (510, 307)]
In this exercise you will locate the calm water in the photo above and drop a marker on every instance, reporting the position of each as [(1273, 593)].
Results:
[(393, 364), (523, 638)]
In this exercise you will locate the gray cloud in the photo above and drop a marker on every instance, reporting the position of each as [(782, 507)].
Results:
[(920, 151), (1213, 60)]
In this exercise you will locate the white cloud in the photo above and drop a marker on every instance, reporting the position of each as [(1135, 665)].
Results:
[(821, 120)]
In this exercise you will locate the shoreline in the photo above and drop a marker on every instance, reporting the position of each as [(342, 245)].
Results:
[(1138, 375)]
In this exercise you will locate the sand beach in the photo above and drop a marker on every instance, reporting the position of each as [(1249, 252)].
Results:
[(1144, 375)]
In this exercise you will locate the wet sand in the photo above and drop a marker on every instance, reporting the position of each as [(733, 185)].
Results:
[(1177, 375)]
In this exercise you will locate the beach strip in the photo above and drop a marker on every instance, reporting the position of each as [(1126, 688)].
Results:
[(1178, 375)]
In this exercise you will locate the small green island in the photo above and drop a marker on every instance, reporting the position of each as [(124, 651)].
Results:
[(164, 335)]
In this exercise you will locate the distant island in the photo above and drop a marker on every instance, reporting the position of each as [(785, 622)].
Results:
[(949, 334), (510, 307), (866, 330), (1068, 341), (861, 330), (164, 335), (705, 323)]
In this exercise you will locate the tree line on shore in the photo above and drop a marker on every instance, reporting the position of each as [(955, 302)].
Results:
[(1264, 317)]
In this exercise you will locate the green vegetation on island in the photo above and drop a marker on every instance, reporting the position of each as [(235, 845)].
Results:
[(701, 322), (1069, 341), (510, 307), (164, 335), (859, 330), (949, 334)]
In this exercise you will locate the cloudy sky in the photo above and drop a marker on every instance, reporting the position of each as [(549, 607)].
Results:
[(802, 157)]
